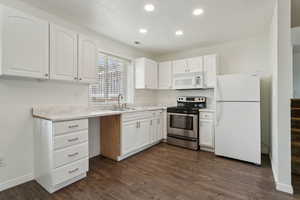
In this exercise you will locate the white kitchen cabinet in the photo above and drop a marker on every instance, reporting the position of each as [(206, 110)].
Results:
[(143, 133), (188, 65), (146, 74), (63, 53), (159, 132), (60, 152), (195, 64), (165, 75), (129, 132), (25, 44), (153, 130), (210, 71), (87, 61), (139, 130), (206, 131), (179, 66)]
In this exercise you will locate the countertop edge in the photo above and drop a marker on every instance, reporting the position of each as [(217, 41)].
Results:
[(78, 116)]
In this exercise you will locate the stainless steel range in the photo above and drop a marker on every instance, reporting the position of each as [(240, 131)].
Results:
[(183, 122)]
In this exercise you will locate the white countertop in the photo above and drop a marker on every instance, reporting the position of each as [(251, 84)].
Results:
[(59, 113)]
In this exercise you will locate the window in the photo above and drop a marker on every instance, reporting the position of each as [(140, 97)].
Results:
[(112, 80)]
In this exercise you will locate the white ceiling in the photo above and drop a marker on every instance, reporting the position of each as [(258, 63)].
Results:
[(223, 20)]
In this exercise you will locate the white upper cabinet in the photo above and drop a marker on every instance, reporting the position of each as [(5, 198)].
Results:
[(165, 75), (63, 53), (25, 44), (195, 64), (146, 74), (210, 71), (179, 66), (88, 52), (188, 65)]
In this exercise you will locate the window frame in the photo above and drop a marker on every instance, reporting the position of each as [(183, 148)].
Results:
[(130, 83)]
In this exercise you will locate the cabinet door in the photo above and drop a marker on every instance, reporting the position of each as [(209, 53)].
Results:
[(151, 75), (206, 128), (128, 139), (63, 53), (153, 130), (210, 71), (165, 75), (179, 66), (195, 64), (143, 133), (88, 55), (140, 80), (159, 129), (25, 45)]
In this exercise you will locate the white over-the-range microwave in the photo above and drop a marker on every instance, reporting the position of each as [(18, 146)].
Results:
[(193, 80)]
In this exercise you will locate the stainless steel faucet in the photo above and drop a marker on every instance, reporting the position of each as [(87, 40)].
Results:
[(120, 97)]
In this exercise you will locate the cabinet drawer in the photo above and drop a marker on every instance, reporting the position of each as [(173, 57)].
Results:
[(206, 115), (70, 126), (70, 154), (63, 141), (70, 171), (136, 116)]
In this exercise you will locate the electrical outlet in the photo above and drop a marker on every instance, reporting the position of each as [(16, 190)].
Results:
[(2, 164)]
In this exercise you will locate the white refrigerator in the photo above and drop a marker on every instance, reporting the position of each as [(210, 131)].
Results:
[(238, 128)]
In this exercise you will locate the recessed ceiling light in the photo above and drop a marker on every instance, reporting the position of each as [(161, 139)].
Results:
[(198, 12), (143, 31), (179, 32), (149, 7)]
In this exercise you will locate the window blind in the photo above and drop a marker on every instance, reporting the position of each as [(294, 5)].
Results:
[(111, 80)]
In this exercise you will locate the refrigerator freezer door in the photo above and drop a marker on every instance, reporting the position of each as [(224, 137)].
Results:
[(238, 88), (238, 129)]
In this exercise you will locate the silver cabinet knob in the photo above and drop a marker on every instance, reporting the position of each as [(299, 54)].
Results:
[(75, 78), (46, 74)]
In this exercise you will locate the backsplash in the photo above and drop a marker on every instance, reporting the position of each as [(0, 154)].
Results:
[(145, 97), (169, 97)]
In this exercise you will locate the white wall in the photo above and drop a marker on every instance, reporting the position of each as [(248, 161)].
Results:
[(242, 56), (19, 96), (273, 45), (285, 92), (282, 90), (296, 74)]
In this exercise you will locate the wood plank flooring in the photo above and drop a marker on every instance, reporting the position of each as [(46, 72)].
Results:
[(164, 172)]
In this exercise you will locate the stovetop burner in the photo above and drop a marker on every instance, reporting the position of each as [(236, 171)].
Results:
[(188, 105)]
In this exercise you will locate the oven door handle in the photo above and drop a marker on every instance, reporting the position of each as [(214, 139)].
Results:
[(179, 114)]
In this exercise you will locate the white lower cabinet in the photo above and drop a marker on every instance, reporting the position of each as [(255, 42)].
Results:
[(129, 131), (140, 131), (142, 134), (206, 131), (61, 152)]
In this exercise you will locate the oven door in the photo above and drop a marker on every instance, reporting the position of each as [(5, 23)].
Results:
[(185, 125)]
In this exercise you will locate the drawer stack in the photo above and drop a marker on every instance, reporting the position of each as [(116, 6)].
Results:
[(61, 152)]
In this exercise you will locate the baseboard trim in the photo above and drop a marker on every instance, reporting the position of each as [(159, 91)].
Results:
[(282, 187), (16, 181)]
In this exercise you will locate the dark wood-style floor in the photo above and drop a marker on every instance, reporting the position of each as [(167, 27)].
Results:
[(163, 172)]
